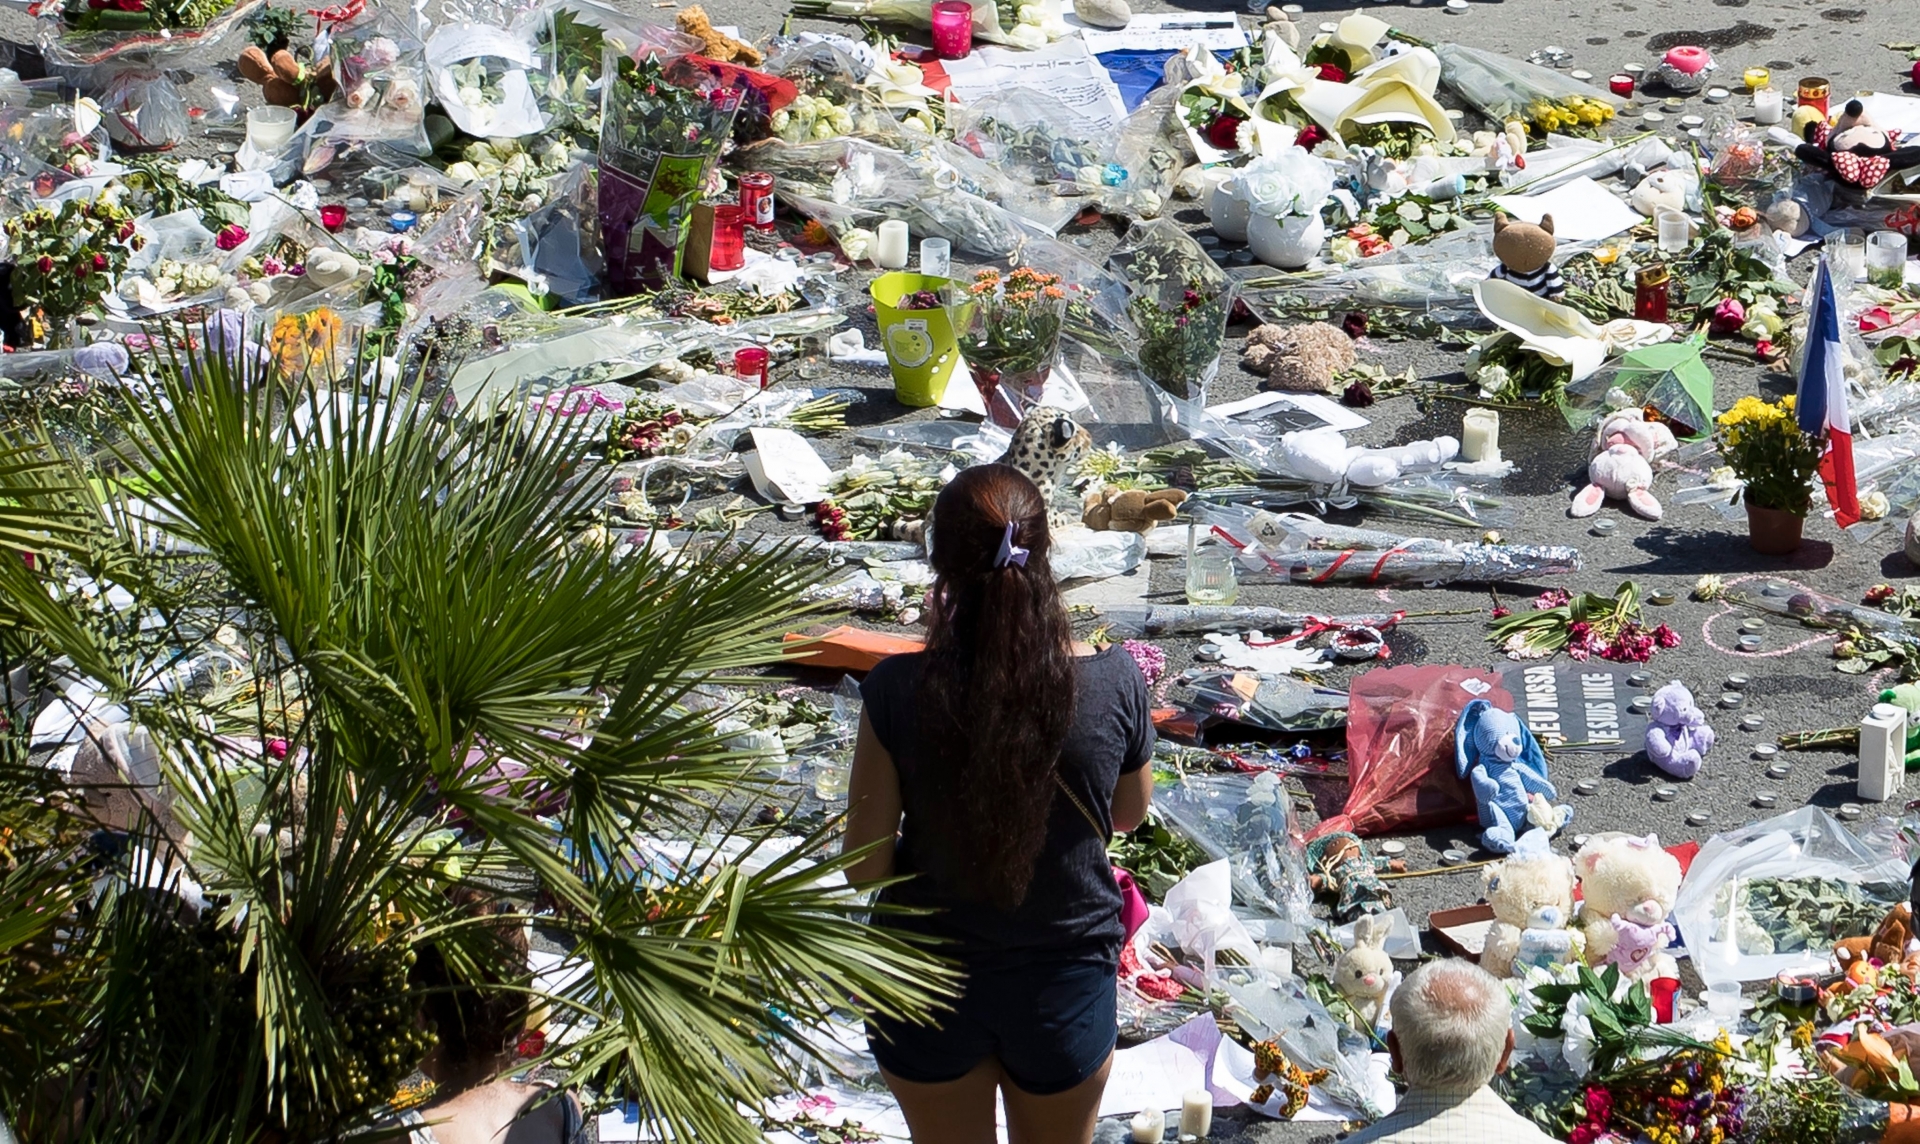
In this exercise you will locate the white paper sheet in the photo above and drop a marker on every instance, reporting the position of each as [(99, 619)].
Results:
[(1165, 31), (1065, 70), (1153, 1075), (1329, 411), (518, 112), (1893, 112), (1582, 210), (784, 468)]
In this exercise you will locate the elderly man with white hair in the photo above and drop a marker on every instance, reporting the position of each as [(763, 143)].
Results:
[(1452, 1034)]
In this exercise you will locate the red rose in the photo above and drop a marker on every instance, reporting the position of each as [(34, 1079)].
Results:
[(131, 5), (99, 262), (230, 236), (45, 264), (1333, 73), (1224, 132), (126, 230), (82, 270), (1311, 136)]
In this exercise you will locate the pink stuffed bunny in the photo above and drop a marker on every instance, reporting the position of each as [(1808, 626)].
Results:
[(1624, 450)]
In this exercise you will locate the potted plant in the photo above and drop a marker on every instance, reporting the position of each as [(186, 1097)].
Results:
[(1009, 331), (1284, 193), (1766, 448)]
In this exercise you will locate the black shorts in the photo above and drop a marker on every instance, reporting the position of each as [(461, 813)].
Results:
[(1051, 1024)]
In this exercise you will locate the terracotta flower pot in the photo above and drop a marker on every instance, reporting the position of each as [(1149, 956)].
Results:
[(1773, 531)]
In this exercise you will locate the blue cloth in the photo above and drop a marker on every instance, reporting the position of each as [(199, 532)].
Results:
[(1138, 72), (1050, 1023)]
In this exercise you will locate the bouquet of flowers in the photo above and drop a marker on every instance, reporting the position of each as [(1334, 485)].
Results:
[(1502, 89), (658, 142), (1179, 302), (1018, 23), (85, 32), (1585, 625), (1009, 331), (65, 258), (1766, 448)]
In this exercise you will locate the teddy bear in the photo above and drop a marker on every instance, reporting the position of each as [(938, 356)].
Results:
[(1857, 154), (1525, 252), (1496, 754), (715, 44), (1887, 945), (1364, 974), (1907, 695), (1324, 457), (1628, 886), (285, 81), (1636, 948), (1624, 449), (1520, 888), (1677, 732), (1299, 359), (1110, 509), (1665, 189)]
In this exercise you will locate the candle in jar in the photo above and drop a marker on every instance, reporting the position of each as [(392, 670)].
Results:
[(1149, 1127), (890, 246), (1768, 106), (952, 22), (1196, 1113), (1480, 436), (1621, 85), (1813, 93), (1757, 78)]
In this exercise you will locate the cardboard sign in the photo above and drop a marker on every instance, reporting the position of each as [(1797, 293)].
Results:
[(1574, 705)]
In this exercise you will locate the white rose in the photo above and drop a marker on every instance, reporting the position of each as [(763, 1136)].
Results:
[(855, 242), (1027, 36), (462, 172), (403, 94)]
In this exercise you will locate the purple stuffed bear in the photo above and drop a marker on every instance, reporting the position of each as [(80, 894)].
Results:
[(1677, 733)]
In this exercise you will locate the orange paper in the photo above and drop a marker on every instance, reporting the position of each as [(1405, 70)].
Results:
[(846, 648)]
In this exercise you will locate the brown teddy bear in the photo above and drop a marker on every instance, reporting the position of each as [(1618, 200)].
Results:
[(715, 44), (285, 81), (1888, 944), (1525, 252), (1299, 359), (1111, 509)]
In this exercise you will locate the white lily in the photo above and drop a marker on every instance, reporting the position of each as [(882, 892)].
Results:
[(900, 84)]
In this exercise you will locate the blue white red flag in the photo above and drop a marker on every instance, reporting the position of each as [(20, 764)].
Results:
[(1821, 401)]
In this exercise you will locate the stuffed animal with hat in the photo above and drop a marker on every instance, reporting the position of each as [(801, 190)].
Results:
[(1856, 153)]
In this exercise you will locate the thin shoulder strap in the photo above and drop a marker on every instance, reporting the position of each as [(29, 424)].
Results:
[(1079, 806)]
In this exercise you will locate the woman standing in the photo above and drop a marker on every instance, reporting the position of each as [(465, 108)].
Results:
[(1002, 757)]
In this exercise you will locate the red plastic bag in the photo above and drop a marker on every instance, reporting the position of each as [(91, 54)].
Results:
[(1400, 748)]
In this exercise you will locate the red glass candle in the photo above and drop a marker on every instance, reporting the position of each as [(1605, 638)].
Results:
[(1813, 92), (756, 199), (1621, 85), (952, 29), (333, 216), (750, 364), (1650, 287), (729, 249)]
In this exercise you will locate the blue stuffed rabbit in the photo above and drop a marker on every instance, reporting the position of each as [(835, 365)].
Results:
[(1504, 764)]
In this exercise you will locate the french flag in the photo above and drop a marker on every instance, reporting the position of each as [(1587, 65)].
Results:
[(1821, 401)]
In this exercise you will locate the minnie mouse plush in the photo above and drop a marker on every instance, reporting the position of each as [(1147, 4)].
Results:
[(1856, 153)]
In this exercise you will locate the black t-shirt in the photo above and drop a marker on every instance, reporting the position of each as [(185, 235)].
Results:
[(1073, 905)]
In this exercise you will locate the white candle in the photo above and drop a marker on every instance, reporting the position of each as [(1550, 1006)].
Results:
[(1766, 106), (1196, 1113), (1149, 1127), (890, 248), (1480, 436)]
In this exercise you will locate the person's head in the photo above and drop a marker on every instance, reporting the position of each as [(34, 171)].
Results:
[(475, 1023), (997, 692), (1452, 1026)]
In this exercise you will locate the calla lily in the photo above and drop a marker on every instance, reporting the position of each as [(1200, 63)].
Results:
[(900, 84)]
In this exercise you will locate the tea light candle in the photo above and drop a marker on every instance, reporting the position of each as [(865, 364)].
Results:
[(1149, 1127), (1640, 704), (1393, 848), (1456, 7), (1603, 527), (1480, 436), (1718, 95), (1756, 78), (1580, 74), (1750, 643), (1586, 786), (1640, 678), (1751, 723), (1768, 106), (890, 245), (1753, 624), (1731, 699), (1665, 794), (1850, 811), (1196, 1113), (1691, 121), (1765, 799), (1452, 857), (1663, 599), (1620, 84), (1698, 818), (1737, 682), (1654, 117), (1765, 751), (1779, 770), (402, 221)]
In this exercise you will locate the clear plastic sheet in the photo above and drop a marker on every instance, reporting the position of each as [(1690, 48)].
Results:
[(158, 48), (1433, 279), (1281, 1009), (380, 63), (821, 70), (1805, 843), (1248, 821), (1042, 143), (1503, 88)]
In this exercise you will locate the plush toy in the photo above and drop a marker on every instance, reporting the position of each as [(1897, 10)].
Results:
[(1110, 509), (1888, 945), (1364, 974), (1532, 880), (1907, 695), (1299, 359), (1324, 457), (1339, 864), (1636, 948), (1624, 449), (1631, 878), (1664, 189), (715, 44), (1546, 942), (1503, 762), (285, 81), (1525, 252), (1858, 155), (1677, 732)]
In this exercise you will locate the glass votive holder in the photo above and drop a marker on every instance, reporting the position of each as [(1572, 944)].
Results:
[(402, 221), (729, 248), (1886, 259), (952, 29), (333, 216), (750, 364), (1674, 230), (269, 128), (1768, 106), (1847, 254), (936, 257)]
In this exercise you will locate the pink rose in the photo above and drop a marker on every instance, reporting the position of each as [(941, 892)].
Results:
[(1727, 318), (230, 236)]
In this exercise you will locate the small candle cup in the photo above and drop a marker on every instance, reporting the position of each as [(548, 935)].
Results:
[(402, 221), (750, 364), (1768, 106), (936, 257), (1621, 85), (1886, 259), (1847, 254), (729, 248), (952, 29), (890, 245), (1813, 92), (269, 128), (333, 216), (1756, 78)]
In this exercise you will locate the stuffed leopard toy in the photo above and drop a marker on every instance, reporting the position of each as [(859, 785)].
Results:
[(1278, 1074), (1046, 447)]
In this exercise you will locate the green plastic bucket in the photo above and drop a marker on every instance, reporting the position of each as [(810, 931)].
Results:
[(921, 351)]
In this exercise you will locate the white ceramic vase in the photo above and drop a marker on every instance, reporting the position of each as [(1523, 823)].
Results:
[(1287, 243), (1228, 212)]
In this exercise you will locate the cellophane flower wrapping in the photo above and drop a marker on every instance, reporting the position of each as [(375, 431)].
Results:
[(658, 143), (1179, 303), (380, 64), (1503, 88), (153, 33)]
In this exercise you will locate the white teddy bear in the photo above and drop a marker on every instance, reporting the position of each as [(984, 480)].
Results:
[(1628, 885), (1624, 449), (1533, 879), (1324, 457), (1546, 942)]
